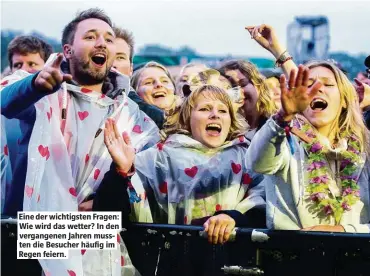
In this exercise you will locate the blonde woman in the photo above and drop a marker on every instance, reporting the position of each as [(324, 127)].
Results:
[(258, 104), (196, 176), (316, 150), (155, 85)]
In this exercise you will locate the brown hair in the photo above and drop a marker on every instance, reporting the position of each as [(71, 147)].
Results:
[(179, 122), (70, 29), (265, 105), (128, 37), (28, 44)]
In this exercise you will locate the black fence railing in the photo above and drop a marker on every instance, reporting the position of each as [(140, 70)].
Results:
[(183, 250), (175, 250)]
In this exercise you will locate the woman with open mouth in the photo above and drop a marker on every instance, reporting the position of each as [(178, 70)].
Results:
[(197, 175), (316, 148), (155, 85)]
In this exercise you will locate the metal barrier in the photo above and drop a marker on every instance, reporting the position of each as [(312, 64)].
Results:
[(183, 250)]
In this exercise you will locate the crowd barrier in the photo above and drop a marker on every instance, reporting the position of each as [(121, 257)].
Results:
[(175, 250)]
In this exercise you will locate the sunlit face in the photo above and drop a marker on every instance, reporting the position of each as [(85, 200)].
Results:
[(210, 121), (274, 87), (184, 77), (327, 103), (156, 88), (122, 61), (250, 92), (30, 62), (92, 53)]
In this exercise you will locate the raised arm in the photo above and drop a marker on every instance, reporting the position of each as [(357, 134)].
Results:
[(17, 99), (266, 36)]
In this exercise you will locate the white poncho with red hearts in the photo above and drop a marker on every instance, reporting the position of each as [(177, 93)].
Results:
[(66, 163), (188, 181)]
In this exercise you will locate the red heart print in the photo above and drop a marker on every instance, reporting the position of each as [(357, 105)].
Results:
[(246, 179), (137, 129), (71, 273), (96, 174), (218, 207), (146, 119), (44, 151), (28, 190), (6, 150), (241, 139), (85, 90), (49, 113), (83, 251), (163, 188), (191, 171), (236, 167), (160, 146), (83, 115), (118, 238), (122, 261), (73, 191), (4, 83), (87, 157), (102, 96)]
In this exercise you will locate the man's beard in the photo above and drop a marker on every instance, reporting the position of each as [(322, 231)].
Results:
[(84, 74)]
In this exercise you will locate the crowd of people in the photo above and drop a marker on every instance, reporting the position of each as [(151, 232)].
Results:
[(218, 147)]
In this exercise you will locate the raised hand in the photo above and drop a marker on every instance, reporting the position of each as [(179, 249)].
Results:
[(119, 146), (50, 77), (296, 96), (265, 36), (363, 92), (219, 228)]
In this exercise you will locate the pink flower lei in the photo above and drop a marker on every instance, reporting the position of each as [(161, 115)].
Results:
[(319, 176)]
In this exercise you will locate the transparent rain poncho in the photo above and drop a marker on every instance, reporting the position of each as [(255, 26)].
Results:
[(67, 162)]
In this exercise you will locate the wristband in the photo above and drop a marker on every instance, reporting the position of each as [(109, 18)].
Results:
[(131, 172)]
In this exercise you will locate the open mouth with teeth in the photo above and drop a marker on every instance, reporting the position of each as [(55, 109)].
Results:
[(213, 129), (159, 95), (99, 59), (318, 104)]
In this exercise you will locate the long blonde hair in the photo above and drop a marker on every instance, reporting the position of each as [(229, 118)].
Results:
[(350, 119), (265, 104), (179, 122)]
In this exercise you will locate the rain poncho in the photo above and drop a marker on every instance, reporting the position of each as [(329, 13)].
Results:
[(6, 170), (181, 181), (67, 161)]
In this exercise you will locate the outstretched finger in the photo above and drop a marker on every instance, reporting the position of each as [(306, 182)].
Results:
[(299, 78), (283, 85), (115, 129), (58, 61), (306, 75), (292, 77), (106, 134)]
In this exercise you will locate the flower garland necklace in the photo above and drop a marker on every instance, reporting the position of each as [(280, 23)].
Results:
[(319, 176)]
